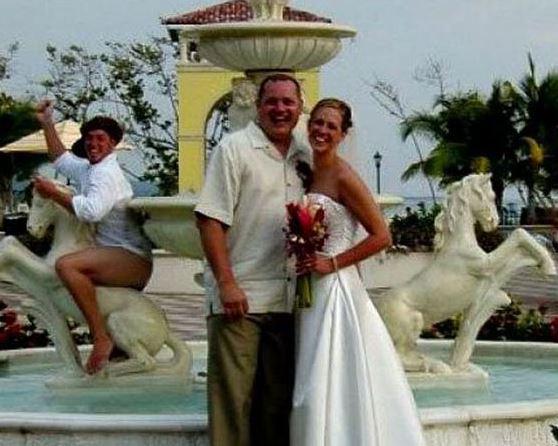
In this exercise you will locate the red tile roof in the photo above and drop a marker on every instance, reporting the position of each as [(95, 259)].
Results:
[(235, 11)]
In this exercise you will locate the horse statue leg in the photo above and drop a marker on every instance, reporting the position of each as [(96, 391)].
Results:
[(126, 332), (534, 254), (139, 328), (519, 250), (404, 324), (140, 359), (474, 318), (38, 280)]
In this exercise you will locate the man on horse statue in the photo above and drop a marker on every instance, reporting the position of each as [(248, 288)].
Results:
[(121, 256)]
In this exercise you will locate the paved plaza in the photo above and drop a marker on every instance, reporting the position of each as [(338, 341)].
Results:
[(173, 288)]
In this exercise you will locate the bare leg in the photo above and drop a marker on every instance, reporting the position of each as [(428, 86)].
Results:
[(109, 266)]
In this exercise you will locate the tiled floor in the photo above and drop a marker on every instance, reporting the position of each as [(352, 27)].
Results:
[(185, 313)]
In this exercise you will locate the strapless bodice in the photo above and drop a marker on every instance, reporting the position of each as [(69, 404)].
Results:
[(341, 225)]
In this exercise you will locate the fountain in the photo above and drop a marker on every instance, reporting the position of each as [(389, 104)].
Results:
[(265, 43)]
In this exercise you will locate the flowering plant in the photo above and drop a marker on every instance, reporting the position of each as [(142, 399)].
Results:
[(306, 233)]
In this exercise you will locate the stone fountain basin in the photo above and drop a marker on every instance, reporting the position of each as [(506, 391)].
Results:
[(256, 46), (511, 424), (170, 222)]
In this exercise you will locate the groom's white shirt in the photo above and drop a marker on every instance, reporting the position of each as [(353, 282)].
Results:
[(247, 186)]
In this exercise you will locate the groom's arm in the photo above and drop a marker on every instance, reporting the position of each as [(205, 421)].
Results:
[(214, 243)]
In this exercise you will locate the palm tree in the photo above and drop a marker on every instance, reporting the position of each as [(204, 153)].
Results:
[(537, 106), (471, 134)]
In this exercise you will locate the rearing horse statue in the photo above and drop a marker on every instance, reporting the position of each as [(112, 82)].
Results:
[(462, 277), (136, 325)]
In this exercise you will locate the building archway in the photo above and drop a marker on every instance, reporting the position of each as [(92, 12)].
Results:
[(217, 124)]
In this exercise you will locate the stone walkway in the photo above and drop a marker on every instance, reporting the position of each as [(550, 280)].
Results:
[(186, 312)]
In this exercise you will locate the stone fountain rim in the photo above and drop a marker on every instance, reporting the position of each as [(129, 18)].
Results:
[(190, 200), (174, 202), (430, 417), (268, 28)]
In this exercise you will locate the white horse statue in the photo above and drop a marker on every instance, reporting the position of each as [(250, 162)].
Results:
[(137, 326), (462, 277)]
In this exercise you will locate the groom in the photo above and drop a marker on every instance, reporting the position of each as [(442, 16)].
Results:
[(240, 214)]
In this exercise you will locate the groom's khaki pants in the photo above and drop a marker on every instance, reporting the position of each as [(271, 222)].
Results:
[(250, 379)]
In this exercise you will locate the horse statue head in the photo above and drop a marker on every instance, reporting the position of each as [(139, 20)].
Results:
[(469, 201), (69, 233)]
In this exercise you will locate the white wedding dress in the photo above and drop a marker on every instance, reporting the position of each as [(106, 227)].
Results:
[(350, 387)]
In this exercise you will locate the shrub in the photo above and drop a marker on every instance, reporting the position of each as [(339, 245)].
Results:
[(20, 331), (510, 323), (415, 230)]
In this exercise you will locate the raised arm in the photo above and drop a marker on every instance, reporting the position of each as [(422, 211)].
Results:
[(44, 114), (214, 242)]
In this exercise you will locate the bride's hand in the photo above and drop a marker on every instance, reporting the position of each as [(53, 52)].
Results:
[(319, 264)]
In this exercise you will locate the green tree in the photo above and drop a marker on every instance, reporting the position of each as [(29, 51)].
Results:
[(17, 119), (537, 105), (134, 82), (471, 134), (512, 133), (5, 60)]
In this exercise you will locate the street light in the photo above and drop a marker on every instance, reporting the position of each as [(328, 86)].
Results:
[(378, 162)]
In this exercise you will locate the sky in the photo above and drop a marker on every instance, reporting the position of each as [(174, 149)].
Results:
[(476, 41)]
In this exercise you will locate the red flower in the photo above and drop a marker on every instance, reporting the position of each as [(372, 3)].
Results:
[(9, 317), (306, 230), (305, 221)]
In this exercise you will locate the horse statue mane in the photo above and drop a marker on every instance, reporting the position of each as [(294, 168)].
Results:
[(461, 278), (71, 234), (457, 199), (137, 325)]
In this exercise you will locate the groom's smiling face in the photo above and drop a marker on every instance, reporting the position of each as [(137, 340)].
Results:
[(279, 109)]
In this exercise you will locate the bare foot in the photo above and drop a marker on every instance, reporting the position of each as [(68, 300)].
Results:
[(99, 356)]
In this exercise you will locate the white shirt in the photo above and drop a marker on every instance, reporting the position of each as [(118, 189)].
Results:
[(103, 193), (247, 186)]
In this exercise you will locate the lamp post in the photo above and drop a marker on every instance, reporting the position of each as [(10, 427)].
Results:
[(378, 162)]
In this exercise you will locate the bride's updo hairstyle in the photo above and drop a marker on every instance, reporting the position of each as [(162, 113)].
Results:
[(337, 104)]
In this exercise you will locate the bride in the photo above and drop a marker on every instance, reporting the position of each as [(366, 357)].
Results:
[(350, 388)]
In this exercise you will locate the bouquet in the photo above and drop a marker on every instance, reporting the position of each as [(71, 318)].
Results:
[(306, 234)]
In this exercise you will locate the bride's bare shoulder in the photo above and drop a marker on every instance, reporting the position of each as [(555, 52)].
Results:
[(348, 179)]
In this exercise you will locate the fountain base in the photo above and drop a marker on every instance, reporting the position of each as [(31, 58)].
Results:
[(472, 377), (489, 419)]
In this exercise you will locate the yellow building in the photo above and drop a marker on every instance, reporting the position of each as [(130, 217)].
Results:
[(205, 91)]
